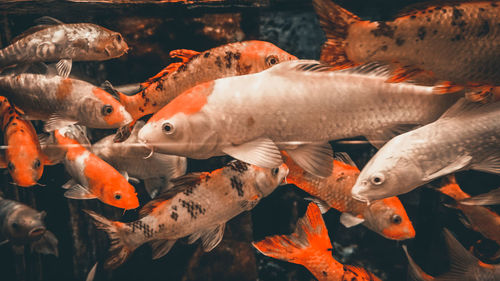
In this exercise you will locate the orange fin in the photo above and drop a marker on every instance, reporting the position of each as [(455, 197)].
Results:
[(483, 94), (335, 22), (447, 88), (184, 54), (309, 238), (164, 72), (403, 74), (414, 271), (450, 187)]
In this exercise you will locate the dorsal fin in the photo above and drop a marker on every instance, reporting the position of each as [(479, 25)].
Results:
[(344, 158), (180, 184), (184, 54), (464, 107), (46, 20), (171, 68), (372, 68)]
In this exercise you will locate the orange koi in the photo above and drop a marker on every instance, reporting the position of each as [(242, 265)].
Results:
[(23, 157), (310, 246)]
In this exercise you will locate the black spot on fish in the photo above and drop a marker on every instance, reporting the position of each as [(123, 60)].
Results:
[(493, 4), (456, 13), (238, 185), (435, 32), (413, 17), (383, 29), (174, 216), (141, 109), (182, 68), (189, 189), (154, 104), (174, 207), (458, 37), (484, 29), (206, 54), (218, 62), (482, 9), (324, 273), (237, 55), (229, 59), (444, 11), (144, 228), (193, 208), (421, 32), (21, 130), (383, 48), (400, 41), (159, 86), (14, 123), (238, 166)]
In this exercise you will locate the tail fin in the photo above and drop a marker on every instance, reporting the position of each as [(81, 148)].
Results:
[(415, 273), (119, 251), (490, 198), (335, 22), (309, 238)]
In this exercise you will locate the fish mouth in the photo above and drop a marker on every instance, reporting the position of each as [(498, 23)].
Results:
[(359, 197), (148, 146), (37, 232)]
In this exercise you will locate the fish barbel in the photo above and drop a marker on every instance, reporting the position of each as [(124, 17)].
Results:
[(297, 106), (198, 206), (454, 41), (63, 101), (465, 137)]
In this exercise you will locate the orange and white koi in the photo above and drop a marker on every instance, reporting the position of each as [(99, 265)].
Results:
[(63, 101), (455, 41), (198, 206), (57, 41), (310, 246), (227, 60), (297, 106), (387, 217), (464, 266), (91, 176), (23, 157)]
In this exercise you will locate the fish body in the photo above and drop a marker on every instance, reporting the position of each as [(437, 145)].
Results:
[(464, 266), (22, 225), (297, 106), (78, 42), (134, 158), (465, 137), (480, 219), (227, 60), (198, 206), (63, 101), (23, 157), (453, 41), (310, 246), (91, 176), (387, 217)]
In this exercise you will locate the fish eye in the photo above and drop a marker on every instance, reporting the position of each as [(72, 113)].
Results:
[(11, 166), (36, 164), (118, 37), (118, 196), (107, 110), (377, 179), (396, 219), (271, 60), (275, 171), (168, 128), (15, 225)]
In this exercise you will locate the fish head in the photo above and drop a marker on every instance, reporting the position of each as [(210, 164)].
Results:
[(388, 217), (257, 56), (118, 192), (266, 180), (24, 160), (102, 111), (110, 44), (25, 224), (390, 172), (180, 127)]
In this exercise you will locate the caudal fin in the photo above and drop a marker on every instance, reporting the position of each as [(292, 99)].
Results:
[(309, 238), (490, 198), (335, 22), (118, 251), (415, 273)]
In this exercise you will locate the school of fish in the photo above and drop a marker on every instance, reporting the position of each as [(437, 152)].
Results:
[(423, 89)]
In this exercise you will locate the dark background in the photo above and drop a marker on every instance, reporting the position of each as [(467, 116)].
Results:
[(152, 30)]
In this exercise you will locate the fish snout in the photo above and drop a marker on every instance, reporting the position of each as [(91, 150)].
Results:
[(37, 232)]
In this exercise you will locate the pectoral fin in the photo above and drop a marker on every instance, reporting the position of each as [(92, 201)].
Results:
[(323, 206), (64, 67), (261, 152), (56, 121), (382, 136), (316, 159), (46, 245), (161, 247), (79, 192), (210, 238), (457, 165), (349, 220)]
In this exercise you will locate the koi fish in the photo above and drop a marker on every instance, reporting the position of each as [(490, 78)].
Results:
[(463, 138), (91, 176), (387, 217), (198, 206), (156, 170), (23, 157), (490, 198), (227, 60), (297, 106), (464, 266), (63, 101), (22, 225), (54, 40), (435, 40), (310, 246), (478, 218)]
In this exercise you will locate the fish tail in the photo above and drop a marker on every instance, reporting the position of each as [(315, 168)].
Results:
[(309, 238), (335, 22), (119, 251), (415, 273)]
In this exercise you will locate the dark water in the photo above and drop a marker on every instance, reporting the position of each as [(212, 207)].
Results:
[(152, 32)]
